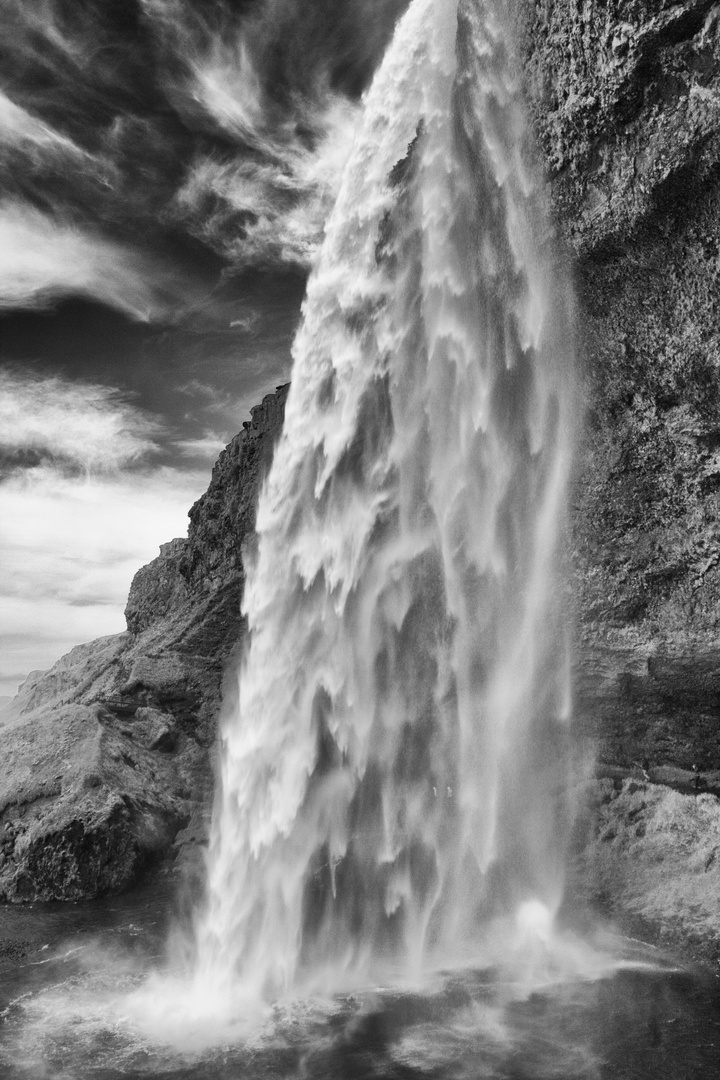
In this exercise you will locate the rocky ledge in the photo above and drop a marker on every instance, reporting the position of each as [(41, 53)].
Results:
[(650, 855), (107, 756)]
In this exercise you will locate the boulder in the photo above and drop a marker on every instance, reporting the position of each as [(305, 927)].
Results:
[(651, 855)]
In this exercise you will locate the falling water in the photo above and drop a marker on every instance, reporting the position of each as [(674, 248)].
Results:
[(392, 777)]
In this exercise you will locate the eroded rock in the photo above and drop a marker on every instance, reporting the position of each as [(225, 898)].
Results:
[(650, 852), (625, 103)]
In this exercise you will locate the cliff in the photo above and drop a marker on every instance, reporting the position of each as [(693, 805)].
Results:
[(107, 756), (626, 104), (626, 107)]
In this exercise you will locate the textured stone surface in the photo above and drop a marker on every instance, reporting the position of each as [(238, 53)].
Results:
[(626, 106), (652, 854), (107, 756), (223, 520), (626, 109), (158, 588)]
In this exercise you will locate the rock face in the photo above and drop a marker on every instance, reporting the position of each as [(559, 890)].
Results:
[(626, 110), (626, 106), (203, 575), (653, 854), (107, 755), (108, 751)]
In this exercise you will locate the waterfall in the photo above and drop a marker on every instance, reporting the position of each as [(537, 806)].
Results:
[(392, 777)]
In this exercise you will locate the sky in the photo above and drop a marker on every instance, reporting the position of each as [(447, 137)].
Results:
[(166, 167)]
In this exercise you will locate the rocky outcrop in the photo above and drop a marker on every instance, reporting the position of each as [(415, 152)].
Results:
[(157, 589), (626, 106), (651, 855), (626, 109), (222, 522), (204, 573), (107, 756)]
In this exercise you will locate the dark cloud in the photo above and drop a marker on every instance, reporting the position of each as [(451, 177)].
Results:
[(155, 118)]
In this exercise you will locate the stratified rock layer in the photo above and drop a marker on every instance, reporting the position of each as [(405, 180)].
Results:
[(108, 755)]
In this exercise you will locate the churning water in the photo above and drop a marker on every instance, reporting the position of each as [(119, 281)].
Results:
[(387, 848), (70, 1012)]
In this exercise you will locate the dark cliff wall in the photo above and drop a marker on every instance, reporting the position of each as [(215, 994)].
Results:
[(208, 565), (107, 754), (626, 106), (223, 520)]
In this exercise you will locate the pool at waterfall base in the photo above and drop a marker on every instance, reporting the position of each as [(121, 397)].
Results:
[(69, 1012)]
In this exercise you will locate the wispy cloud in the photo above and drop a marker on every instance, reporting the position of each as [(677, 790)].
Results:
[(226, 84), (78, 424), (43, 258), (19, 126), (272, 210), (266, 94), (205, 448), (265, 202)]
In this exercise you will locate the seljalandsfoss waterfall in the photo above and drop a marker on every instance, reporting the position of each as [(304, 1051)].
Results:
[(385, 875), (393, 776)]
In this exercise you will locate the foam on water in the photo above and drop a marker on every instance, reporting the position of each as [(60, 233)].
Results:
[(99, 1015)]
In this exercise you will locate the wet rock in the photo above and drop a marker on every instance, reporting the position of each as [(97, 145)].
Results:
[(625, 108), (14, 949), (625, 105), (652, 854)]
